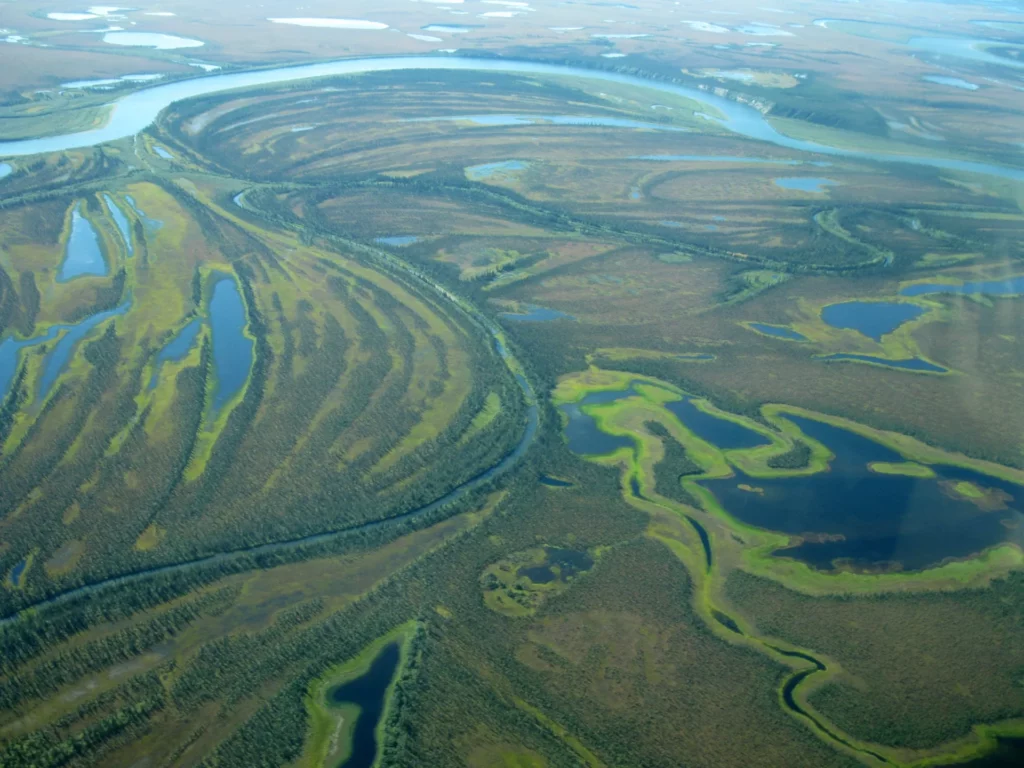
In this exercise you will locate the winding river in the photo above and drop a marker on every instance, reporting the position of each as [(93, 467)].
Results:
[(135, 112)]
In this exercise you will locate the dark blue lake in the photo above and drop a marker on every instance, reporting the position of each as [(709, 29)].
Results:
[(1012, 286), (537, 314), (721, 432), (83, 255), (122, 224), (368, 692), (872, 521), (177, 348), (232, 349), (779, 331), (911, 364), (872, 318)]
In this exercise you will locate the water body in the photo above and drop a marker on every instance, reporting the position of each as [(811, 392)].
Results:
[(955, 82), (872, 318), (58, 357), (582, 432), (488, 170), (871, 520), (83, 255), (5, 170), (704, 540), (569, 562), (1012, 286), (10, 349), (177, 348), (134, 112), (779, 331), (398, 241), (150, 40), (910, 364), (122, 224), (150, 224), (111, 81), (232, 349), (535, 314), (805, 184), (499, 120), (368, 692), (17, 572), (161, 152), (721, 432)]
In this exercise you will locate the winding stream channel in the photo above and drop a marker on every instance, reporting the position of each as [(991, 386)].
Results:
[(136, 111)]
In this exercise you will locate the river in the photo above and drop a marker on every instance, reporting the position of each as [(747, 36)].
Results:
[(133, 113)]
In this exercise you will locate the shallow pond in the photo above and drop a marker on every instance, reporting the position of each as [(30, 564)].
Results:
[(398, 241), (721, 432), (489, 170), (232, 349), (5, 170), (150, 40), (150, 224), (535, 314), (568, 561), (872, 520), (872, 318), (83, 255), (779, 331), (163, 153), (1010, 287), (805, 184), (368, 693), (17, 572), (177, 348), (955, 82), (122, 223), (965, 48), (58, 357), (910, 364)]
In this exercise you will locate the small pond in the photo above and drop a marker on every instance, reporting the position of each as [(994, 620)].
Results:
[(163, 153), (150, 40), (535, 314), (554, 482), (814, 185), (83, 255), (779, 331), (568, 563), (5, 170), (122, 223), (872, 318), (150, 224), (1009, 287), (490, 170), (910, 364), (398, 241), (870, 520), (720, 432), (954, 82), (232, 349), (17, 572), (368, 693)]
